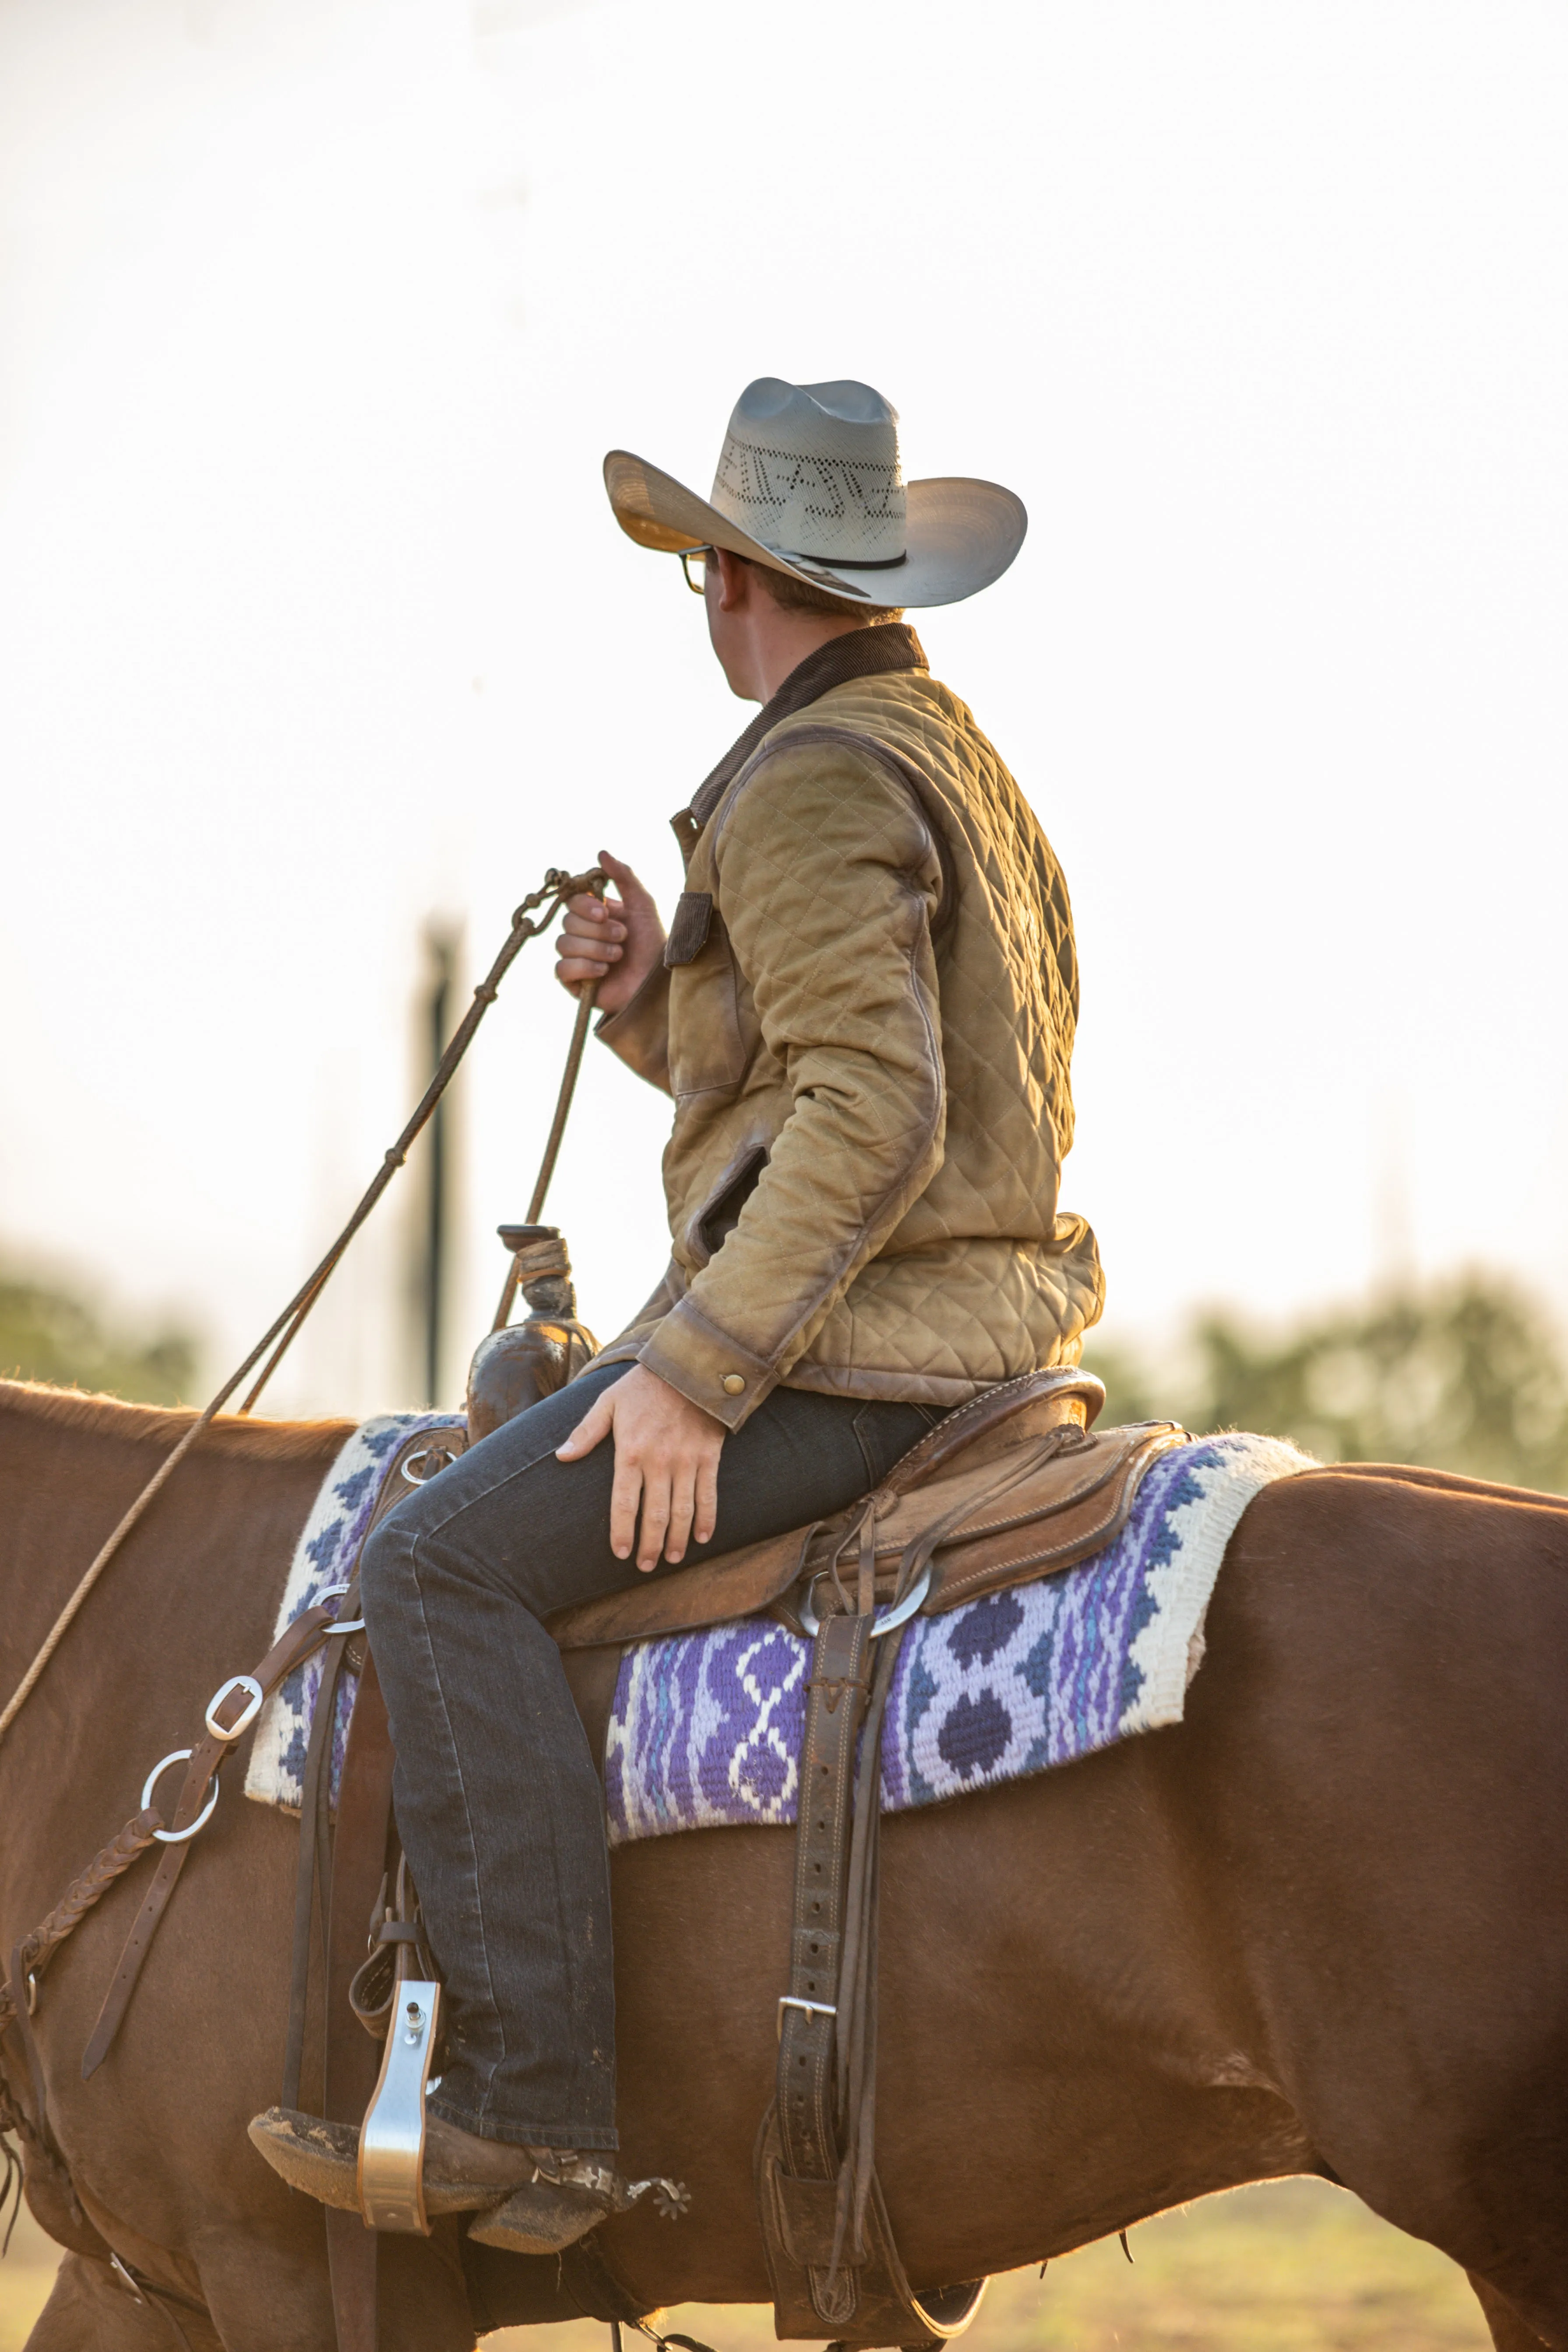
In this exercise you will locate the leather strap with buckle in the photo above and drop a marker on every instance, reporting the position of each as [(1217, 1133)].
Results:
[(232, 1712)]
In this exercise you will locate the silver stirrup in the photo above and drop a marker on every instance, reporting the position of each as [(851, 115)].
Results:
[(392, 2137)]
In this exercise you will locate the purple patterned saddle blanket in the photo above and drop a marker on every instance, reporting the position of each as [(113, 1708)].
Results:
[(706, 1729)]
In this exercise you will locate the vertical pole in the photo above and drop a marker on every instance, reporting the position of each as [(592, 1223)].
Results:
[(437, 1004)]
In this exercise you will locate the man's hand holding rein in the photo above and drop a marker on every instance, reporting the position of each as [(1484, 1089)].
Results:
[(667, 1459), (616, 941)]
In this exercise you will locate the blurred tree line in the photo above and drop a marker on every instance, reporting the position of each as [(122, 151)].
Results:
[(48, 1332), (1465, 1374)]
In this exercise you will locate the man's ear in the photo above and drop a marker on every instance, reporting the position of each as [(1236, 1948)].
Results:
[(735, 584)]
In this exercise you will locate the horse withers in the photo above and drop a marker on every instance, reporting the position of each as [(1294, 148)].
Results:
[(1319, 1926)]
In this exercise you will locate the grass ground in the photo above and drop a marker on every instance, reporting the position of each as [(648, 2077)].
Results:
[(1295, 2267)]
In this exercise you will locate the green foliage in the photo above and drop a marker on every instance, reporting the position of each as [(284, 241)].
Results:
[(48, 1333), (1133, 1392), (1463, 1375)]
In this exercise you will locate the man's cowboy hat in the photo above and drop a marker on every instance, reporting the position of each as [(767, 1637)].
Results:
[(809, 482)]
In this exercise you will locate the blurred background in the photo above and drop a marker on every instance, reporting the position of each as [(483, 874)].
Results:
[(318, 643)]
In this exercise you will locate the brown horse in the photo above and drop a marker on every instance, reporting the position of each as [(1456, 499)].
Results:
[(1320, 1926)]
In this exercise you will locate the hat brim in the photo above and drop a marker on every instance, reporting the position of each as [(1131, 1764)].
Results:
[(962, 535)]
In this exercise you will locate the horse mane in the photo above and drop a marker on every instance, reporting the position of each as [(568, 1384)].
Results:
[(153, 1425)]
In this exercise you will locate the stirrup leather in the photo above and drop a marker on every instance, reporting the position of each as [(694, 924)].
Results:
[(832, 2258)]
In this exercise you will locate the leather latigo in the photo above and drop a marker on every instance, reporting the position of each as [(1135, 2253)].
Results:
[(1014, 1484)]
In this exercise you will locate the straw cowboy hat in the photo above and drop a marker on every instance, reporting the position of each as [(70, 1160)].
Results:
[(809, 482)]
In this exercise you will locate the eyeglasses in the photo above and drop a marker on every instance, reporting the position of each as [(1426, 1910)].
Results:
[(694, 563)]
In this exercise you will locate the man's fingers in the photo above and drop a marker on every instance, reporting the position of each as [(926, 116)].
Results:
[(625, 1496), (682, 1501), (588, 938), (587, 945), (589, 920), (588, 907), (572, 969), (705, 1517), (654, 1520), (619, 872), (593, 1427), (664, 1487), (585, 955)]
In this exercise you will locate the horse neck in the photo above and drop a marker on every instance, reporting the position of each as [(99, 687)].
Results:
[(192, 1593)]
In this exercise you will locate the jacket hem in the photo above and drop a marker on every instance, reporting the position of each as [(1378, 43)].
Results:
[(946, 1389)]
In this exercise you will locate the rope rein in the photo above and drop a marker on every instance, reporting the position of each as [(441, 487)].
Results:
[(552, 894)]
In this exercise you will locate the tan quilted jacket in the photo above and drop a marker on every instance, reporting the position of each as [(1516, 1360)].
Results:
[(866, 1016)]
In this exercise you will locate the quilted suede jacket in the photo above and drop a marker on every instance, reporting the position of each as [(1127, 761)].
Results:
[(865, 1015)]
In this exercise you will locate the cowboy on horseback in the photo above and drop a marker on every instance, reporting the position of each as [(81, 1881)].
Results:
[(863, 1011)]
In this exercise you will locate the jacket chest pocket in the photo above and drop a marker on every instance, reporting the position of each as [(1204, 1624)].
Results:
[(708, 1048)]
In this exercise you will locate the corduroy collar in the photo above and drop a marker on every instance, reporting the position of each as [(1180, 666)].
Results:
[(859, 653)]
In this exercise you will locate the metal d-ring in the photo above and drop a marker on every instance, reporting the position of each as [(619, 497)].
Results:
[(899, 1614), (177, 1837), (426, 1453), (252, 1708), (336, 1592)]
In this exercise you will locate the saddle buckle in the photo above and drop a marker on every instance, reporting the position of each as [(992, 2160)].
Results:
[(811, 2008)]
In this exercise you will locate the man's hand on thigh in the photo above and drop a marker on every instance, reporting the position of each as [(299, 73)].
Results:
[(667, 1459)]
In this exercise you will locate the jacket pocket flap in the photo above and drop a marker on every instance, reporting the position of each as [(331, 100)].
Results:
[(689, 932)]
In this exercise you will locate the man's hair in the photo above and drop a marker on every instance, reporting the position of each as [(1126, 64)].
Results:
[(793, 595)]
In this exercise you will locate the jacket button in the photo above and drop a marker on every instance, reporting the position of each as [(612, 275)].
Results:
[(732, 1385)]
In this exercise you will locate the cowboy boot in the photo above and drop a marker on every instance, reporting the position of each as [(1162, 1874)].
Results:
[(550, 2195), (535, 2200)]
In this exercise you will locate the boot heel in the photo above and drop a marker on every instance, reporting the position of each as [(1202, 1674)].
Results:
[(541, 2218)]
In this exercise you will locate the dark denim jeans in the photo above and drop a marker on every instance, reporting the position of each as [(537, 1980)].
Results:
[(497, 1798)]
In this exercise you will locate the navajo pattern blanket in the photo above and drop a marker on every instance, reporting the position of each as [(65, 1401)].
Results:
[(324, 1556), (707, 1728)]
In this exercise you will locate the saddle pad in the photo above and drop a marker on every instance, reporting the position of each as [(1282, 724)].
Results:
[(324, 1556), (706, 1728)]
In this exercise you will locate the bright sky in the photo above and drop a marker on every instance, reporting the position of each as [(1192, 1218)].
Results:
[(318, 318)]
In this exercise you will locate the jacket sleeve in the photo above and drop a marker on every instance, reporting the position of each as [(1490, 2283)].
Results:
[(827, 878), (639, 1032)]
